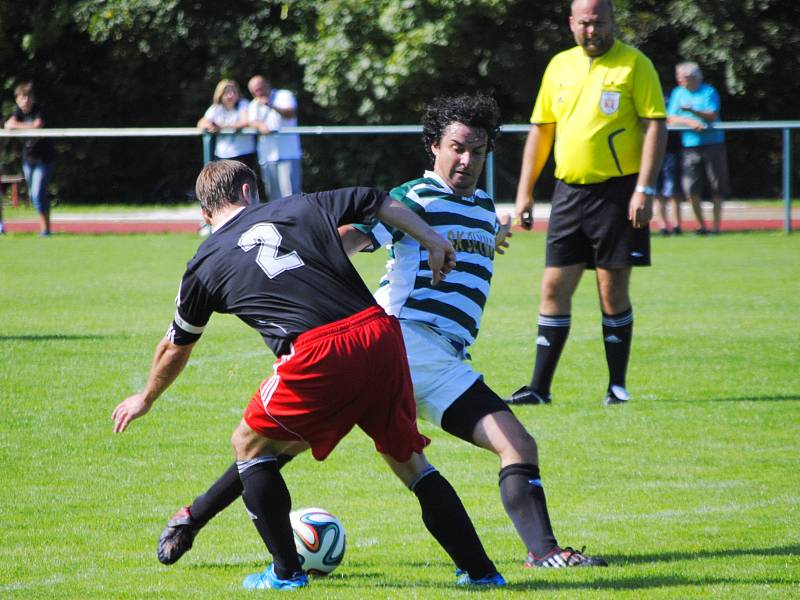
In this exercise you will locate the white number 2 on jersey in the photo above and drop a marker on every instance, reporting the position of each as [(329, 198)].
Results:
[(267, 238)]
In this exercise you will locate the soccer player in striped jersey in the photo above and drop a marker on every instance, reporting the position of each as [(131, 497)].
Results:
[(439, 323), (262, 263)]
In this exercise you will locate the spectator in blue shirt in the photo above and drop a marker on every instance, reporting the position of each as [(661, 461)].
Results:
[(696, 105)]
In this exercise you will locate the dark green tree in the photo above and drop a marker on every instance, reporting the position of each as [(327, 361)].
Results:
[(111, 63)]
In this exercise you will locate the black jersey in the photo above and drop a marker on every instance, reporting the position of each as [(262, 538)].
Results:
[(35, 150), (279, 267)]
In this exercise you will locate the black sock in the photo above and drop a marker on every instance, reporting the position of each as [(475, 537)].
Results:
[(267, 500), (550, 340), (218, 497), (448, 521), (222, 493), (523, 498), (617, 334)]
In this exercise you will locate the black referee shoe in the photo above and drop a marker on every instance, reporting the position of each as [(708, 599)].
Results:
[(525, 395), (616, 394)]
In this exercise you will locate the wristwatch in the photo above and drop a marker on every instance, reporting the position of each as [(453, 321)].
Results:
[(646, 190)]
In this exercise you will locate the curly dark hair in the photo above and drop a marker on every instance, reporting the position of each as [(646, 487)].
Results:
[(474, 111)]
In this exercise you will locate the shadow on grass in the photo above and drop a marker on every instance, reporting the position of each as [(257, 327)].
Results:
[(418, 581), (49, 337), (357, 574), (789, 550), (765, 398), (646, 582), (775, 398), (615, 560)]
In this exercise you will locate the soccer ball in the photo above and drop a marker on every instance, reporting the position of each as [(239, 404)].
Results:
[(319, 539)]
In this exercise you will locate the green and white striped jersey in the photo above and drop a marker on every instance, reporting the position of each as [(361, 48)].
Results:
[(455, 306)]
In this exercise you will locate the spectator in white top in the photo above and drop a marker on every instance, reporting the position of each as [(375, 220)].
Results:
[(279, 156), (229, 111)]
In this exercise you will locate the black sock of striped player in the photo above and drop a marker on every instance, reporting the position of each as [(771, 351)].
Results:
[(268, 502), (523, 498), (550, 340), (222, 493), (447, 520), (617, 335)]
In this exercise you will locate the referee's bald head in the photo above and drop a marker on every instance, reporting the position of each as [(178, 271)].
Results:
[(607, 4)]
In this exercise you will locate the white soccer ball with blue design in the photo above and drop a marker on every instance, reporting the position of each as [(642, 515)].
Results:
[(319, 539)]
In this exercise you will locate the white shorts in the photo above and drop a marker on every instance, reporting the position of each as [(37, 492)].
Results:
[(438, 372)]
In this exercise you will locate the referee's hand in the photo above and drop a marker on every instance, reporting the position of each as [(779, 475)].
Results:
[(523, 209), (640, 210)]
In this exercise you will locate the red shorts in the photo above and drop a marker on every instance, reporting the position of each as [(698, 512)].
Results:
[(351, 372)]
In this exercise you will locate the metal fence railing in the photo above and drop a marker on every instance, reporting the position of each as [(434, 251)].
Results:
[(785, 127)]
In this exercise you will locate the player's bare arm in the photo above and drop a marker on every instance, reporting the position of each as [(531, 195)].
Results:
[(353, 240), (168, 362), (640, 209), (537, 149), (441, 255), (503, 233)]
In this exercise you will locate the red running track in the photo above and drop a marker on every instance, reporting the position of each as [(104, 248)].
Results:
[(95, 227)]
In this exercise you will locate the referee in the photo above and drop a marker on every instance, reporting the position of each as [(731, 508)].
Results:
[(601, 103)]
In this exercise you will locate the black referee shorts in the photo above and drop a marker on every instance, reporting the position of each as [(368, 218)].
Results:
[(589, 224)]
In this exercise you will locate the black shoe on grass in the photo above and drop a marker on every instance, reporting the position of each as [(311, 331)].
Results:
[(562, 558), (525, 395), (177, 537), (616, 394)]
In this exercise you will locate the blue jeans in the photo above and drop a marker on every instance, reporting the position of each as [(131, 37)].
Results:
[(281, 178), (37, 176)]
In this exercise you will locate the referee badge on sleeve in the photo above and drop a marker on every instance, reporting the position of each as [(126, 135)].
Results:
[(609, 103)]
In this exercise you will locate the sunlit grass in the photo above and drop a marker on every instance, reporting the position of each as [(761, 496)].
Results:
[(691, 490)]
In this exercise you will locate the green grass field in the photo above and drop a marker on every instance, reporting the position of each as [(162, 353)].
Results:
[(691, 490)]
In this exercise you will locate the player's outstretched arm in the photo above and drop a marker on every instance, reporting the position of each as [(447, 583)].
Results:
[(168, 362), (441, 255)]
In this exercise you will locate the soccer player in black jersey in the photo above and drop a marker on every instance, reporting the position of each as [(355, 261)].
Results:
[(437, 330), (266, 264)]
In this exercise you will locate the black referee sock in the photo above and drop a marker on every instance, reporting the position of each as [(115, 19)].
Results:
[(267, 500), (523, 498), (617, 335), (447, 520), (222, 493), (550, 340)]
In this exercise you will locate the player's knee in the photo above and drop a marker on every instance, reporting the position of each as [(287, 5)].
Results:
[(615, 302), (555, 298), (237, 441), (524, 447), (412, 470), (246, 442), (550, 291)]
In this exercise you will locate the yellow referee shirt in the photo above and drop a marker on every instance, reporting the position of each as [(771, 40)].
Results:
[(596, 104)]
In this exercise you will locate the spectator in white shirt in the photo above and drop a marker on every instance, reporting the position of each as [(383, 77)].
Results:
[(279, 156), (229, 111)]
